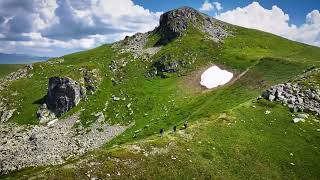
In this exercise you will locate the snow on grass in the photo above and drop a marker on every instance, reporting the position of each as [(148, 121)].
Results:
[(214, 77)]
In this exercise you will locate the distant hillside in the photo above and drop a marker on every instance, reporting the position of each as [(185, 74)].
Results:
[(19, 58)]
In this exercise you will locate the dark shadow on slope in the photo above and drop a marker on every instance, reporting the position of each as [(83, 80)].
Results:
[(40, 101)]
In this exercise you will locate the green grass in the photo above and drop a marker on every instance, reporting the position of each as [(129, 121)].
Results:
[(6, 69), (248, 143)]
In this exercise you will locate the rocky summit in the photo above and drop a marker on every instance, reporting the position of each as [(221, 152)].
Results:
[(173, 23)]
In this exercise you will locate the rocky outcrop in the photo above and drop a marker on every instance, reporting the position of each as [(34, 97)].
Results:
[(136, 45), (21, 73), (297, 97), (89, 81), (175, 22), (166, 64), (172, 25), (63, 94)]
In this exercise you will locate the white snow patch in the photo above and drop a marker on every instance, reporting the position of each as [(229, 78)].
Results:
[(214, 77)]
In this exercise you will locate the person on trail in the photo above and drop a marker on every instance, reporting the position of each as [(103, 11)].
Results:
[(161, 131), (185, 125), (174, 128)]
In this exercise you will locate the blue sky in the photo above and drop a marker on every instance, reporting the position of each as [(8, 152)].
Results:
[(58, 27), (297, 9)]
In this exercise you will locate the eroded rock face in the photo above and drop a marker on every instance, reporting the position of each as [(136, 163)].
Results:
[(173, 23), (63, 94)]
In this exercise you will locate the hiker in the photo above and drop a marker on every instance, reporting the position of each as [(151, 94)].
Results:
[(185, 125), (161, 131), (174, 128)]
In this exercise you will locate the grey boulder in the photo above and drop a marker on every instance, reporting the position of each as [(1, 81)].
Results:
[(63, 94)]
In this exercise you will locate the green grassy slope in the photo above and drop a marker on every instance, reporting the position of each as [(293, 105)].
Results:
[(6, 69), (237, 141)]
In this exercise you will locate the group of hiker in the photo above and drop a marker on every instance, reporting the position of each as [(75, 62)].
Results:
[(185, 125)]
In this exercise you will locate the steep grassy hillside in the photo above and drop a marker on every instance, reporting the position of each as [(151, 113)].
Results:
[(230, 137)]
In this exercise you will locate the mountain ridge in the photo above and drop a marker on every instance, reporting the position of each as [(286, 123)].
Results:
[(6, 58)]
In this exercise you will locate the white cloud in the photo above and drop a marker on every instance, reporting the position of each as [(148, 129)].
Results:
[(217, 5), (64, 26), (275, 21), (208, 6)]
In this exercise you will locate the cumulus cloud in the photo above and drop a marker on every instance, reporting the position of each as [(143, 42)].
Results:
[(63, 26), (275, 21), (209, 6)]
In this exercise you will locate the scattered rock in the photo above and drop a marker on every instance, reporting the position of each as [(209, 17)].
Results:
[(6, 115), (303, 116), (21, 73), (300, 117), (296, 120), (89, 80), (136, 45), (296, 96), (51, 145), (44, 114), (115, 98)]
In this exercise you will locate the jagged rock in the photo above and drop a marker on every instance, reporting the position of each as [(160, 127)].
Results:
[(63, 94), (89, 81), (44, 114), (6, 115), (175, 22), (166, 65)]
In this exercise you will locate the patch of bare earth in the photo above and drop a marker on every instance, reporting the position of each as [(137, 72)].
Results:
[(191, 83)]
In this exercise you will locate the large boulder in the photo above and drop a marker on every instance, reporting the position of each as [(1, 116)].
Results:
[(63, 94)]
